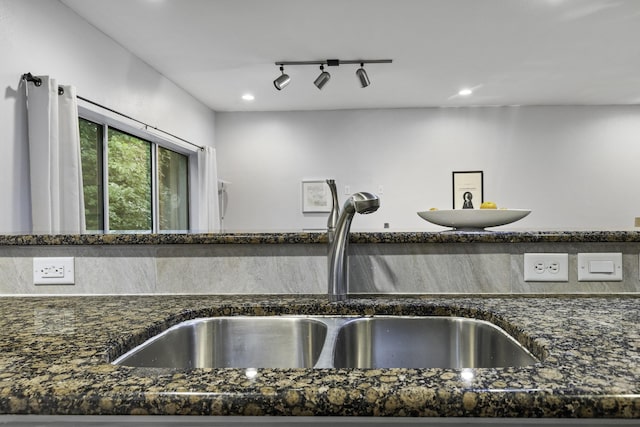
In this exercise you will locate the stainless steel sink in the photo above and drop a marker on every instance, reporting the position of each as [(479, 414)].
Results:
[(427, 342), (330, 342), (238, 342)]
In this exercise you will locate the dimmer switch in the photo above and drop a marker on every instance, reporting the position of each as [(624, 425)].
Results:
[(600, 267), (604, 267)]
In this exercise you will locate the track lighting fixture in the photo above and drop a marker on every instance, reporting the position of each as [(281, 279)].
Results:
[(322, 79), (362, 76), (282, 80), (324, 76)]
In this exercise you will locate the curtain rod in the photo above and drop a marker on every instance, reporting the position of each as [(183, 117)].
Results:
[(38, 82)]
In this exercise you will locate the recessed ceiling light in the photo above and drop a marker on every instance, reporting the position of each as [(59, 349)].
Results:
[(248, 97), (465, 92)]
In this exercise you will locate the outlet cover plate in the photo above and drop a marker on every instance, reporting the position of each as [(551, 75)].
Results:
[(546, 267), (53, 271), (600, 267)]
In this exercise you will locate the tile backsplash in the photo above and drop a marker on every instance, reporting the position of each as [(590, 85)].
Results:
[(406, 268)]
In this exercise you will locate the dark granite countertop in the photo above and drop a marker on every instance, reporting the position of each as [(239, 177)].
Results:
[(616, 236), (55, 353)]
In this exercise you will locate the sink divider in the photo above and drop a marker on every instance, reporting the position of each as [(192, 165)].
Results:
[(325, 360)]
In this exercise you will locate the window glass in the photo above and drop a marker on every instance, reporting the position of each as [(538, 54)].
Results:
[(129, 168), (173, 190), (91, 153)]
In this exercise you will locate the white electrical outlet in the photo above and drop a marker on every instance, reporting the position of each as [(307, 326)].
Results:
[(541, 267), (53, 271)]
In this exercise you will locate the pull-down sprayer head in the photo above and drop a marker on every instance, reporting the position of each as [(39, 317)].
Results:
[(362, 203)]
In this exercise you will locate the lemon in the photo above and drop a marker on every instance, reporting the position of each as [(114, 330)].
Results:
[(433, 209), (488, 205)]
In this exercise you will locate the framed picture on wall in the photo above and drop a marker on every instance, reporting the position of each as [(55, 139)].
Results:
[(467, 189), (316, 196)]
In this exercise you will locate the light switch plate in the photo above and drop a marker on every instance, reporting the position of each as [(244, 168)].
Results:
[(589, 265)]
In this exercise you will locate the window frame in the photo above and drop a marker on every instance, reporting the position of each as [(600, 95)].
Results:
[(122, 124)]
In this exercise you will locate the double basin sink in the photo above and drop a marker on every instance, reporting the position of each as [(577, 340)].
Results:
[(330, 342)]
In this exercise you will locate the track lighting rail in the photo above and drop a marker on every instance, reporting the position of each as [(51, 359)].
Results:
[(336, 62), (283, 79)]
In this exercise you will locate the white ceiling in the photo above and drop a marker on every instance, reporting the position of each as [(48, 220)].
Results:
[(512, 52)]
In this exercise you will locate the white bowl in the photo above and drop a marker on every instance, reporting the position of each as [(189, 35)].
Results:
[(473, 219)]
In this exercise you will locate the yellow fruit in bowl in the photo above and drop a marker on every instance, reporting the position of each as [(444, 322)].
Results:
[(433, 209), (488, 205)]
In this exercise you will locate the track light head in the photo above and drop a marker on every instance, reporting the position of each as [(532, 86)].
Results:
[(282, 80), (362, 76), (322, 79)]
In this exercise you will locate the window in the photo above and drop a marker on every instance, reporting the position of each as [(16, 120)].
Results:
[(132, 184), (173, 190)]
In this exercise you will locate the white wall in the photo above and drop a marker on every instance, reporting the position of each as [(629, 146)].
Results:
[(575, 167), (44, 37)]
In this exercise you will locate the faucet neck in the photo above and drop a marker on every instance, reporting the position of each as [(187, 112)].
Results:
[(338, 259)]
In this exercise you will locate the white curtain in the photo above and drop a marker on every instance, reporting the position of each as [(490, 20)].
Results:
[(208, 205), (57, 200)]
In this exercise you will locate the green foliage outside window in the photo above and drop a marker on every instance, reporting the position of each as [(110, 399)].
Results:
[(129, 163)]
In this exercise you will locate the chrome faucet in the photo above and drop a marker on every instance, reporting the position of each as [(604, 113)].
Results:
[(332, 221), (362, 203)]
